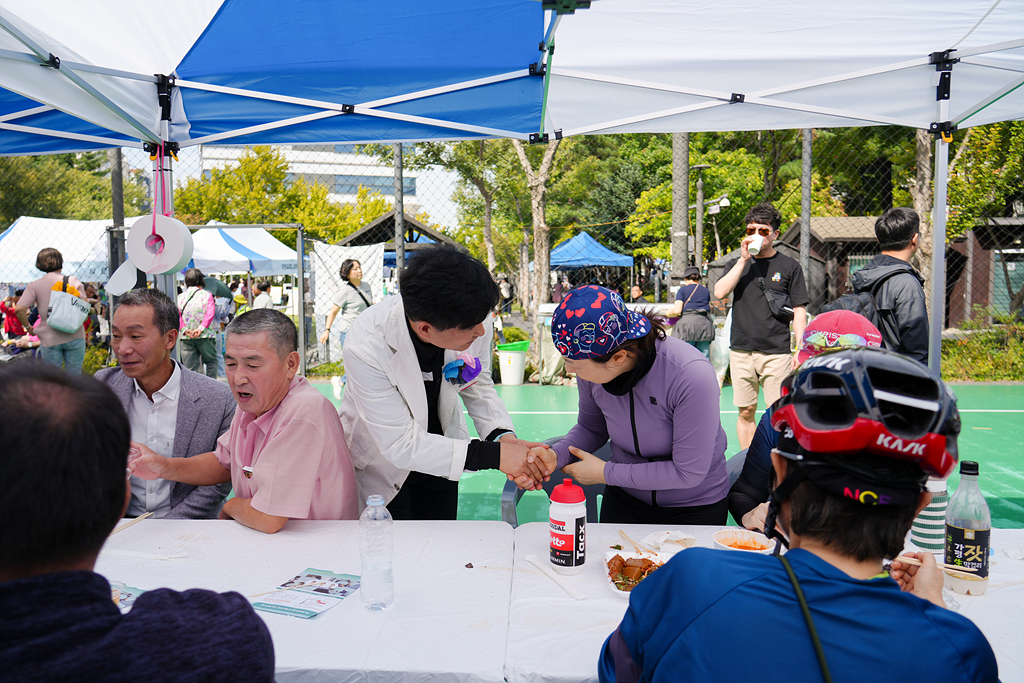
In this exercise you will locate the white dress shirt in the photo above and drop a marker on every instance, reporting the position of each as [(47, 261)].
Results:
[(153, 423), (263, 300)]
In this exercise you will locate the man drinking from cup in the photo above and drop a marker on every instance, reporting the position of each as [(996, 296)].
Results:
[(767, 296)]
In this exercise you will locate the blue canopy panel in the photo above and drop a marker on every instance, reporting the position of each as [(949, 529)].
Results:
[(513, 106), (19, 142), (584, 251), (414, 46)]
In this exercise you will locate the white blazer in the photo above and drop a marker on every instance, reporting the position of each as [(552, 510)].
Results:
[(384, 409)]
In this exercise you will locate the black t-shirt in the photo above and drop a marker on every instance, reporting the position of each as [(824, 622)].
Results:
[(753, 326)]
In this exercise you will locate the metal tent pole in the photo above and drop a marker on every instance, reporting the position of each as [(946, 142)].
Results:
[(300, 288), (938, 283)]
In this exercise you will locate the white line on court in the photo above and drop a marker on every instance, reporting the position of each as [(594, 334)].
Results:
[(723, 412)]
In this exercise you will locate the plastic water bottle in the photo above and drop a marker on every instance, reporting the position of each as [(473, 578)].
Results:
[(567, 519), (377, 583), (968, 531)]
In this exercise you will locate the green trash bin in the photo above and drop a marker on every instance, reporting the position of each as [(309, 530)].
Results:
[(512, 362)]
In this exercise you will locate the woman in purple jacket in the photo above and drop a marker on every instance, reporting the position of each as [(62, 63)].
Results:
[(656, 399)]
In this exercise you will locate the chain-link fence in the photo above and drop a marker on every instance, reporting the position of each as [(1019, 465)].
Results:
[(593, 209)]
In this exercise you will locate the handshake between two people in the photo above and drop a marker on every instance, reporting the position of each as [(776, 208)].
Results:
[(529, 464)]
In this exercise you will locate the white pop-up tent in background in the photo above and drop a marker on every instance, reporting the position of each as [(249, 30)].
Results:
[(84, 247), (83, 244)]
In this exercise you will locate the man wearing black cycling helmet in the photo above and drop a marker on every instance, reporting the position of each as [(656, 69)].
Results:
[(861, 430)]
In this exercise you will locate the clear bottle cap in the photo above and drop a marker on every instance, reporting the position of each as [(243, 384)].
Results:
[(375, 500)]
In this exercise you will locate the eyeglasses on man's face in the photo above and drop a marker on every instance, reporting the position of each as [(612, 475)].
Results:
[(764, 232)]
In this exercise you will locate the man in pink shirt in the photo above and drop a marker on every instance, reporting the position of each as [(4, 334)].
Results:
[(285, 453)]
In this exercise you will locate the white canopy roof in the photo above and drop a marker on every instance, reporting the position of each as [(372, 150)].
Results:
[(666, 65)]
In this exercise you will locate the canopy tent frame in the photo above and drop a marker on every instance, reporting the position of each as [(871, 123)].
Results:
[(48, 59), (113, 103), (367, 108)]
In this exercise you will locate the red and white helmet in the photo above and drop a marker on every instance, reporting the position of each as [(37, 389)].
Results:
[(869, 401)]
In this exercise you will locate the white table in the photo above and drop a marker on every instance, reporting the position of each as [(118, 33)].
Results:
[(999, 613), (554, 638), (449, 622)]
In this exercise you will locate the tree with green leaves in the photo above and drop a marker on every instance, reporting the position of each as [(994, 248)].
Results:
[(257, 191), (67, 186)]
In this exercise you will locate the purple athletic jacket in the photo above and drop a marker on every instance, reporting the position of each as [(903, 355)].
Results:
[(675, 423)]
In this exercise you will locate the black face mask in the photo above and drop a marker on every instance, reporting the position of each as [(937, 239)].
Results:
[(621, 385)]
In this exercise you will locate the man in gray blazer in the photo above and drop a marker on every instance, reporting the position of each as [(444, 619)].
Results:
[(173, 410)]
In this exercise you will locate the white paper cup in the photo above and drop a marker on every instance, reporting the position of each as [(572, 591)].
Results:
[(755, 244)]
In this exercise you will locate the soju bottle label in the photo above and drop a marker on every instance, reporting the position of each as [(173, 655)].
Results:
[(968, 548)]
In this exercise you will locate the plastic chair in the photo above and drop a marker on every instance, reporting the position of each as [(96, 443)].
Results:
[(735, 466), (511, 494)]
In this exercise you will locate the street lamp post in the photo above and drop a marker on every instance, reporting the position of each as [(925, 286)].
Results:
[(698, 237), (716, 206)]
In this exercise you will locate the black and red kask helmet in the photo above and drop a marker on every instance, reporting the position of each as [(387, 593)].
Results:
[(858, 401), (864, 424)]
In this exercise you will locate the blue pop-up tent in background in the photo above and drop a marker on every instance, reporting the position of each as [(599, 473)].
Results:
[(583, 251)]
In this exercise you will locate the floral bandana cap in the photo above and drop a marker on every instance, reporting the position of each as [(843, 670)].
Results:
[(592, 322)]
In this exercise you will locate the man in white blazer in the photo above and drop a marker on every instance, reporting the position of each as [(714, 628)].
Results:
[(401, 415)]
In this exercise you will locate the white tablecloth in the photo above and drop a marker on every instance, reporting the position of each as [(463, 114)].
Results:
[(554, 638), (449, 622)]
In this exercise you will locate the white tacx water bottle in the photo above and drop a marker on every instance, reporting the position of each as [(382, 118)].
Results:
[(567, 518), (377, 583)]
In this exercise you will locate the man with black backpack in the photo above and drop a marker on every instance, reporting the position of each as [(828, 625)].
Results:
[(895, 287)]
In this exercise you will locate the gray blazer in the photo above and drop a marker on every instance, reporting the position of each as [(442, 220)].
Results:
[(205, 410)]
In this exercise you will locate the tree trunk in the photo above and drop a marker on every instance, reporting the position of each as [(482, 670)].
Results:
[(488, 197), (536, 181), (921, 191)]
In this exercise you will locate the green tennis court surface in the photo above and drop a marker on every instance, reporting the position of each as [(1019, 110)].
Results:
[(992, 434)]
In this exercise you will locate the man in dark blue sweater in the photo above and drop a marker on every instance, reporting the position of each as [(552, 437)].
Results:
[(63, 488)]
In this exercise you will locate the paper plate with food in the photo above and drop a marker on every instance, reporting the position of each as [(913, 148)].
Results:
[(626, 570), (743, 539), (669, 541)]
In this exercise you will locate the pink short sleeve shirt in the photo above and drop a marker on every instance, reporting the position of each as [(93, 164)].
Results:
[(300, 465)]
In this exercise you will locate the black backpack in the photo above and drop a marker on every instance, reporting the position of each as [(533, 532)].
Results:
[(865, 303)]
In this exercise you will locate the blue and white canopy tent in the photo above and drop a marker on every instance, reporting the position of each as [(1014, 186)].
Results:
[(241, 249), (79, 74)]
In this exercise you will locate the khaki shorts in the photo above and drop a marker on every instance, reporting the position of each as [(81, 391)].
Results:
[(753, 369)]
